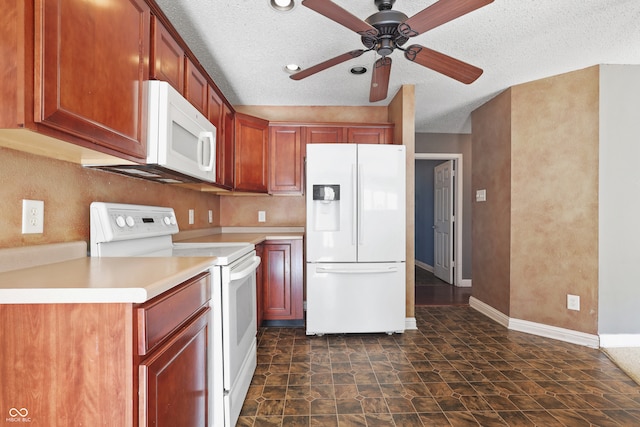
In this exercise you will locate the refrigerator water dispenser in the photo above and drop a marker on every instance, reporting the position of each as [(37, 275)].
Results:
[(326, 207)]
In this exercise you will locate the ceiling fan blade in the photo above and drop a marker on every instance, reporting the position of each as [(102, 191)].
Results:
[(444, 64), (437, 14), (327, 64), (341, 16), (380, 79)]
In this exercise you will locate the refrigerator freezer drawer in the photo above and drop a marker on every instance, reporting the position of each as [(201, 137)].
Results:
[(355, 298)]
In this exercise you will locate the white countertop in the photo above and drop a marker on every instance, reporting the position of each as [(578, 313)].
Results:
[(98, 280)]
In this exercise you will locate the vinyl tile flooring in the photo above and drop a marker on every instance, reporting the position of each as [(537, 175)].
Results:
[(458, 369)]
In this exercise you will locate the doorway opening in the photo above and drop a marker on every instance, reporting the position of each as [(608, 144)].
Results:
[(423, 229)]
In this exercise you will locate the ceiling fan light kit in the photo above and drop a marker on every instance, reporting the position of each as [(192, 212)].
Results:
[(388, 30)]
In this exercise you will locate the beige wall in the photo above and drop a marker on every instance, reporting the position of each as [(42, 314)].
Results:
[(67, 190), (491, 220), (554, 200), (535, 150), (402, 113)]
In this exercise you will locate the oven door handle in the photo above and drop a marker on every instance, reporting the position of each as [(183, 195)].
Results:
[(246, 268)]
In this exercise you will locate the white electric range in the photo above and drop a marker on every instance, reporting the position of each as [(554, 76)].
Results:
[(125, 230)]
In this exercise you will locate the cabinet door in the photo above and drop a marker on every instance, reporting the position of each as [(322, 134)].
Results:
[(282, 280), (285, 160), (173, 386), (215, 114), (324, 134), (196, 88), (91, 64), (370, 135), (167, 57), (251, 153), (228, 145)]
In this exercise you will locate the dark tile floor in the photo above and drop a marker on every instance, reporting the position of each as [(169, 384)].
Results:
[(458, 369)]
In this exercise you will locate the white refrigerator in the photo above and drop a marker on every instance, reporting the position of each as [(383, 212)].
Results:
[(355, 238)]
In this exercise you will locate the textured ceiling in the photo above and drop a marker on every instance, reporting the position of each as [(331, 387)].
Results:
[(244, 45)]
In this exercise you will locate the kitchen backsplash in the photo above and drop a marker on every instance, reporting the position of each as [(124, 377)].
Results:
[(67, 190)]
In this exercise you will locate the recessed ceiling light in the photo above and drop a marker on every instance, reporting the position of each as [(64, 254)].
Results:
[(357, 70), (291, 68), (282, 5)]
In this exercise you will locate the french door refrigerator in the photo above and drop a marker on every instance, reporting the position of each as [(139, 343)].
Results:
[(355, 242)]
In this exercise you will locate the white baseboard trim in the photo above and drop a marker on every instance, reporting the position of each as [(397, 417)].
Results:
[(619, 340), (560, 334), (424, 266), (410, 323), (466, 283), (554, 332), (489, 311)]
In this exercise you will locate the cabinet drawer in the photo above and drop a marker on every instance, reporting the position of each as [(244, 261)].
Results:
[(166, 313)]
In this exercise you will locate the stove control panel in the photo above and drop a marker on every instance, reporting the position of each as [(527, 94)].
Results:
[(116, 222)]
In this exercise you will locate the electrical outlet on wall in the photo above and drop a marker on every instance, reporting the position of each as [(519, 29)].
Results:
[(210, 216), (262, 216), (191, 216), (32, 216)]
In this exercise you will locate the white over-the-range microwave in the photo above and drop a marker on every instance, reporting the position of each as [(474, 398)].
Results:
[(181, 141)]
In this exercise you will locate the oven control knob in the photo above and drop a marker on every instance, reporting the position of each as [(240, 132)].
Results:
[(130, 221), (173, 220), (166, 220), (120, 222)]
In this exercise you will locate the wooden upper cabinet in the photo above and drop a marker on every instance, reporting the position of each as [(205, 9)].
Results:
[(228, 175), (285, 160), (370, 135), (222, 118), (196, 87), (90, 66), (167, 57), (324, 134), (251, 154)]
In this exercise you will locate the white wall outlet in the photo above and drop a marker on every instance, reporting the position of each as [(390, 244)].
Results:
[(573, 302), (481, 195), (191, 216), (210, 216), (262, 216), (32, 216)]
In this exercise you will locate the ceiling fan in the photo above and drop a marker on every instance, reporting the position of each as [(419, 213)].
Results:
[(387, 30)]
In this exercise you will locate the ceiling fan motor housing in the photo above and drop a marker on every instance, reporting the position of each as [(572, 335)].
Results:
[(386, 21)]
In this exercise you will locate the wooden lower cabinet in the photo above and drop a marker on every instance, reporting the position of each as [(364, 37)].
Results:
[(173, 381), (282, 282), (81, 364)]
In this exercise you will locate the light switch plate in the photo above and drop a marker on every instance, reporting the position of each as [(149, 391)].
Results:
[(573, 302), (481, 195), (32, 216)]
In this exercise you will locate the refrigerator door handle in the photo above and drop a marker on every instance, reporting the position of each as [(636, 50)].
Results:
[(354, 202), (360, 206), (355, 271)]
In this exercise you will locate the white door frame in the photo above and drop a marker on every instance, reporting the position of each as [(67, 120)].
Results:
[(459, 207)]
